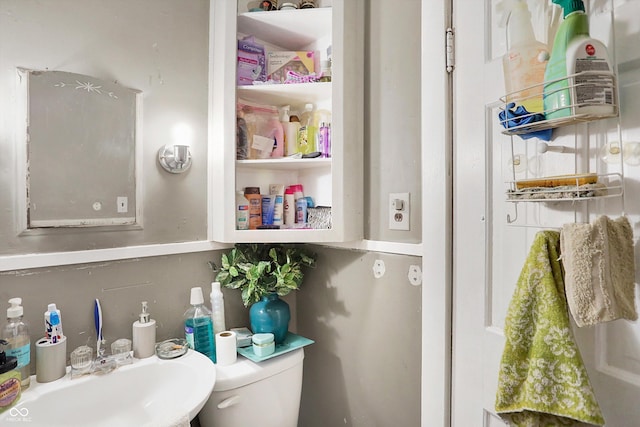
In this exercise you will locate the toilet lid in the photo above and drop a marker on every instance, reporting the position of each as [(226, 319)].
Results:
[(244, 371)]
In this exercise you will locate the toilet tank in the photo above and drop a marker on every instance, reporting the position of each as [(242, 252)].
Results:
[(265, 394)]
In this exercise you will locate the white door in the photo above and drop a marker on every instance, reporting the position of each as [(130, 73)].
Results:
[(489, 253)]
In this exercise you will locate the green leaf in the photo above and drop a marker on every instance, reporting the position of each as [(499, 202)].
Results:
[(233, 271), (223, 277), (225, 261)]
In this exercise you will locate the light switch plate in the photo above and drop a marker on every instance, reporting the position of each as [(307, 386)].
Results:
[(399, 211)]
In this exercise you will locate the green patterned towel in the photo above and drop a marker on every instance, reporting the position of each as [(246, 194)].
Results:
[(542, 380)]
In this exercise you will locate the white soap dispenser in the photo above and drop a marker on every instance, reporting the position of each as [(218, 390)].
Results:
[(144, 334)]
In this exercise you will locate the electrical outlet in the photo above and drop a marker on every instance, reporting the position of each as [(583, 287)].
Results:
[(122, 204), (399, 210)]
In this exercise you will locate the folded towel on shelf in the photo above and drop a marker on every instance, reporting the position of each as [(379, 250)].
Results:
[(599, 263), (542, 379)]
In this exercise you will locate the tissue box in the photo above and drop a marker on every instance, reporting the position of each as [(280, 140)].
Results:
[(301, 62), (319, 218)]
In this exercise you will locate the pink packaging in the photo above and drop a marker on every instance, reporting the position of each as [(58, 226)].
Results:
[(251, 62)]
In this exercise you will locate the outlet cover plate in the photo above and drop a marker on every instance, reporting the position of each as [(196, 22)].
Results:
[(399, 211)]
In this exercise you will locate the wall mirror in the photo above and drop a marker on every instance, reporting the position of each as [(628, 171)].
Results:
[(110, 80), (81, 146)]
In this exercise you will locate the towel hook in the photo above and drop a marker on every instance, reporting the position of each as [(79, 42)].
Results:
[(511, 221)]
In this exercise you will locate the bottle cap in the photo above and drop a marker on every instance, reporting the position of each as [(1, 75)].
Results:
[(196, 296), (16, 309), (215, 287), (55, 320), (52, 307)]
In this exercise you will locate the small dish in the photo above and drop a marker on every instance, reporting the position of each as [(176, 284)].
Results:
[(172, 348)]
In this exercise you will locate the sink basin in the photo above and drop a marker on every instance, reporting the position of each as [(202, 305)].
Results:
[(148, 392)]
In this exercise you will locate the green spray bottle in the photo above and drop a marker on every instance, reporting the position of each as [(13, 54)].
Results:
[(574, 52)]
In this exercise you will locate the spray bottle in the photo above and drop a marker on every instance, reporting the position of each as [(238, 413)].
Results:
[(566, 92), (526, 58)]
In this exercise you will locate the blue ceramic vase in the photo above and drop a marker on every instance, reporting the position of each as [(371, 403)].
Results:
[(270, 315)]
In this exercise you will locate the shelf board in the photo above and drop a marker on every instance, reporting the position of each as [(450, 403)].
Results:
[(282, 94), (284, 164), (276, 26)]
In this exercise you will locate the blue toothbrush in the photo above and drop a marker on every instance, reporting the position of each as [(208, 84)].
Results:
[(97, 317)]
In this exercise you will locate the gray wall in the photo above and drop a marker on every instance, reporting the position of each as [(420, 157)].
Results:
[(159, 47), (121, 286), (392, 115), (364, 369)]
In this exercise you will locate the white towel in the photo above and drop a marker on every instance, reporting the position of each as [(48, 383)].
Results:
[(599, 268)]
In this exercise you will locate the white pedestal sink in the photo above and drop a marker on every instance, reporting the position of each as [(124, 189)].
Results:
[(148, 392)]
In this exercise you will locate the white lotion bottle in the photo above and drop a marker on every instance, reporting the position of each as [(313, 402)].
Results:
[(144, 334), (217, 308)]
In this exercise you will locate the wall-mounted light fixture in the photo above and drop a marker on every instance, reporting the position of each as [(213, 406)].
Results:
[(175, 158)]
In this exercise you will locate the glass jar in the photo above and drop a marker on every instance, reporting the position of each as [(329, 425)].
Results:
[(288, 6), (269, 5), (307, 4)]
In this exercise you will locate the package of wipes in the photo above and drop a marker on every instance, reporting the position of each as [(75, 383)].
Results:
[(251, 62)]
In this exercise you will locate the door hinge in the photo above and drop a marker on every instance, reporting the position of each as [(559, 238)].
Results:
[(450, 50)]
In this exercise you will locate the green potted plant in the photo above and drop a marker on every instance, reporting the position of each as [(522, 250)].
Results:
[(265, 272)]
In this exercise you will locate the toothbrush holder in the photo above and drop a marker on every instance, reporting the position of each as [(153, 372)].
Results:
[(51, 360)]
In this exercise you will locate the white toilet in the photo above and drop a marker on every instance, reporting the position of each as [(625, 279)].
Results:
[(265, 394)]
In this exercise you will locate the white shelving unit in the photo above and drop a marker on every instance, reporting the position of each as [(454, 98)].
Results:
[(337, 181)]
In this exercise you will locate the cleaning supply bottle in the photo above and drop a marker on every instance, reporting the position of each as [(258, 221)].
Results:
[(16, 333), (9, 379), (198, 326), (307, 132), (525, 62), (566, 92), (217, 308), (144, 334)]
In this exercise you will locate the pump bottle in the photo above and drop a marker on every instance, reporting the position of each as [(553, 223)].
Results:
[(16, 333), (526, 59), (144, 334), (198, 326)]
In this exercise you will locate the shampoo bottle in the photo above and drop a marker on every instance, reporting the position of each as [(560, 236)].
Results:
[(526, 59), (217, 308), (144, 334), (574, 52), (198, 326), (290, 131), (16, 334)]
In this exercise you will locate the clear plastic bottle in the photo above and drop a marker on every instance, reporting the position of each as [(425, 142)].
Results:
[(307, 132), (16, 333), (198, 326), (525, 62), (217, 308)]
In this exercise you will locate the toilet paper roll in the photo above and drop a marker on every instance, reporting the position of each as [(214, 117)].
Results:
[(226, 353)]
